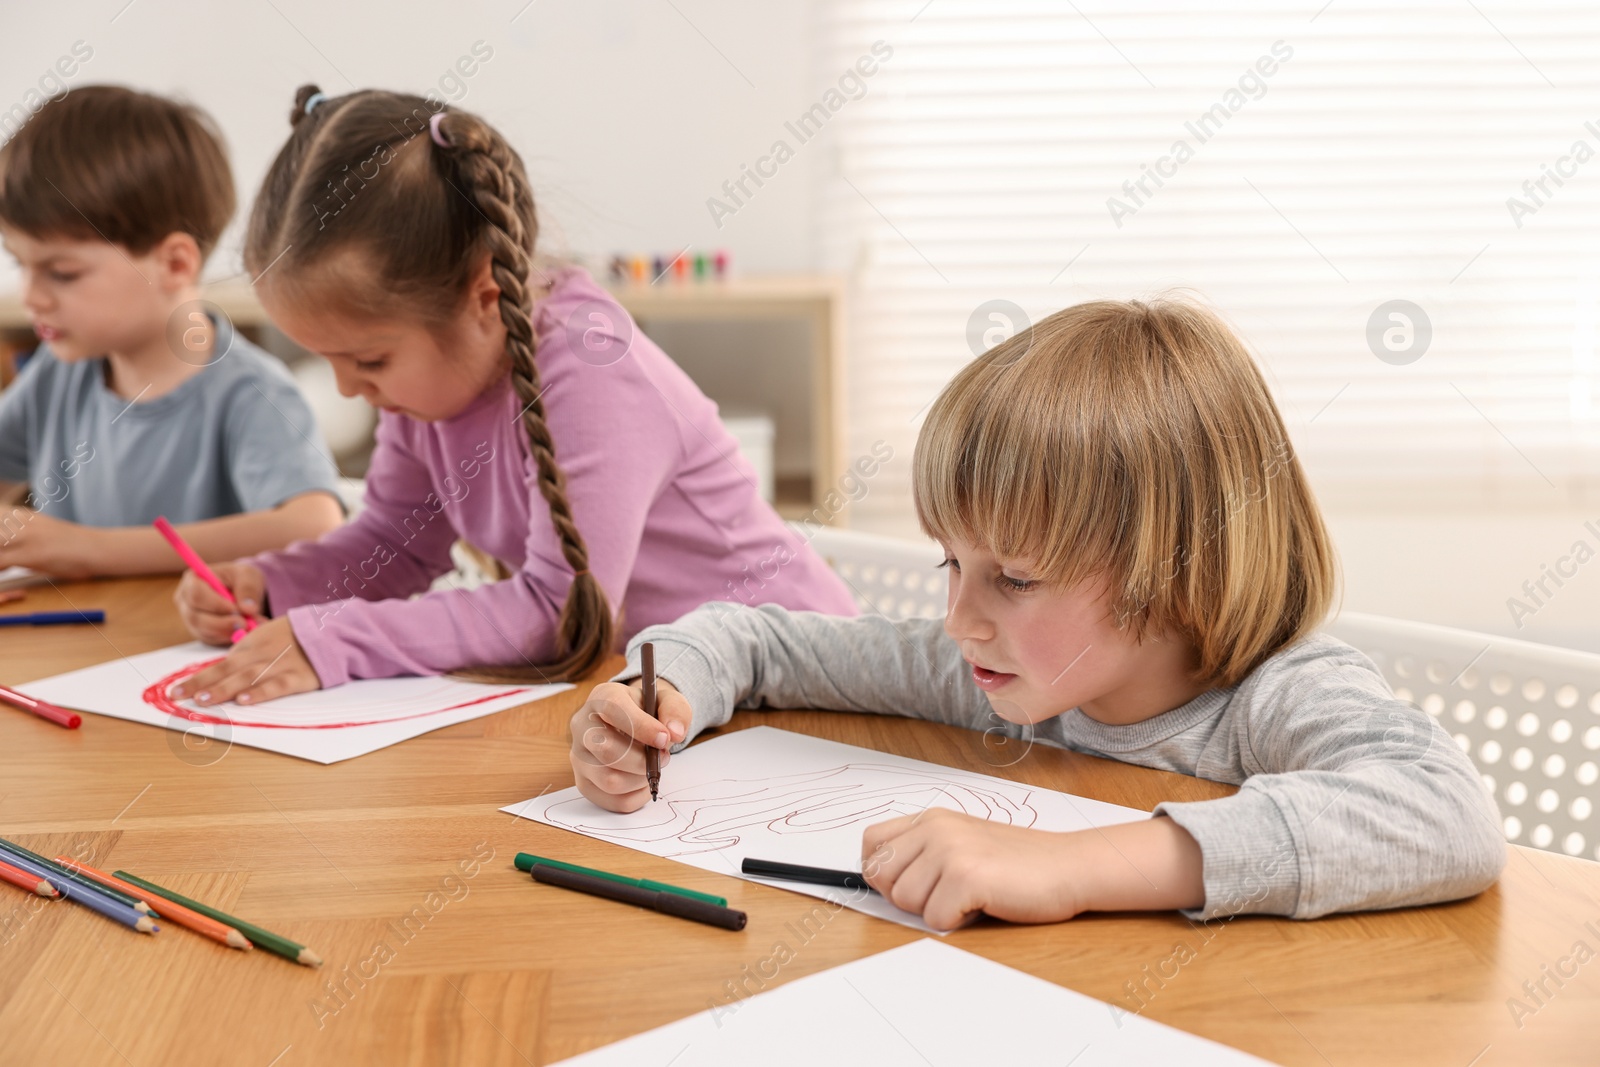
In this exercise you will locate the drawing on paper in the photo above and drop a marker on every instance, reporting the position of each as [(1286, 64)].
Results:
[(716, 815), (303, 711)]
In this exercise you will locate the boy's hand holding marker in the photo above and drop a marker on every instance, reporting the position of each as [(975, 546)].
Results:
[(610, 734)]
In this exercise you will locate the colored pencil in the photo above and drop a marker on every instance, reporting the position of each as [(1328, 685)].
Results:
[(18, 856), (794, 872), (274, 943), (525, 861), (647, 697), (164, 908), (666, 903), (201, 571), (52, 618), (111, 909), (31, 882), (60, 716), (95, 898)]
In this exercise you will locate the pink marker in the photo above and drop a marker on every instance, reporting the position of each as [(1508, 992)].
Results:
[(205, 574)]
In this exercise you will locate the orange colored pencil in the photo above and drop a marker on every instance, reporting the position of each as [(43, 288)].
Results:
[(31, 882), (164, 908)]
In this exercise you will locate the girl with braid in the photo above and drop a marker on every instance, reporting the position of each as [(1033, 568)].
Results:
[(520, 413)]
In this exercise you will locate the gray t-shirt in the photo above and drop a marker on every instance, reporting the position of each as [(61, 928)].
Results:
[(236, 437), (1349, 798)]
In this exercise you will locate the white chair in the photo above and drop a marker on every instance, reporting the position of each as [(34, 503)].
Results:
[(1527, 714), (469, 571), (889, 576), (353, 495)]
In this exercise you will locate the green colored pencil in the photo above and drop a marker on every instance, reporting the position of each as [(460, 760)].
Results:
[(275, 943), (73, 876), (525, 862)]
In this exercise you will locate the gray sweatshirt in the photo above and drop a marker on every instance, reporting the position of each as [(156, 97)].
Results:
[(1349, 798)]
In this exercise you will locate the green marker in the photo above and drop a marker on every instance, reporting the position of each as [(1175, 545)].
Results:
[(526, 860)]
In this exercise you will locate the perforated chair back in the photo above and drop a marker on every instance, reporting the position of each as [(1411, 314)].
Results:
[(1527, 714), (889, 576)]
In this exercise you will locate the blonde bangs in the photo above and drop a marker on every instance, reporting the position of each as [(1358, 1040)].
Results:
[(1135, 443)]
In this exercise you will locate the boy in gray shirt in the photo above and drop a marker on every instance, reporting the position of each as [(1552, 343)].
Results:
[(1137, 570), (142, 401), (236, 437)]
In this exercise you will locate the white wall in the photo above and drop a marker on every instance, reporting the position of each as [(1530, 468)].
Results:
[(1461, 569), (628, 113)]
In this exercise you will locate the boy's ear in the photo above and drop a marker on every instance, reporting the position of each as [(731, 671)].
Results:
[(177, 260)]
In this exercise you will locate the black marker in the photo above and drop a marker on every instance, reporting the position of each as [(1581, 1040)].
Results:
[(794, 872)]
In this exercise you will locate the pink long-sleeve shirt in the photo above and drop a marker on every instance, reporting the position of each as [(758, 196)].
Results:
[(667, 504)]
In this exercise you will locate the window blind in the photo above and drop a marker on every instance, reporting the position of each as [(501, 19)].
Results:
[(1299, 167)]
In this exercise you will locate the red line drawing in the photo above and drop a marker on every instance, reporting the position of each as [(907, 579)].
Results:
[(157, 697)]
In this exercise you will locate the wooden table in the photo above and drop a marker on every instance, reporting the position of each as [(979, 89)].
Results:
[(497, 971)]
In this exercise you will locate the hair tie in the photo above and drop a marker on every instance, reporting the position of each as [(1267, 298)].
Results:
[(433, 130), (578, 574), (313, 100)]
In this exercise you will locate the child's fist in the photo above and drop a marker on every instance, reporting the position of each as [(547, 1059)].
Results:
[(209, 615), (609, 735)]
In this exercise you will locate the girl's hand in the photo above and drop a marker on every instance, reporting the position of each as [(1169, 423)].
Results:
[(266, 665), (947, 867), (51, 546), (210, 616), (609, 735)]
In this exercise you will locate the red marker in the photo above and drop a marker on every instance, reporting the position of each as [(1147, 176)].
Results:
[(204, 573), (60, 716)]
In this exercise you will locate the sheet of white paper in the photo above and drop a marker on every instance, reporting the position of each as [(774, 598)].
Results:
[(777, 795), (20, 577), (919, 1004), (325, 726)]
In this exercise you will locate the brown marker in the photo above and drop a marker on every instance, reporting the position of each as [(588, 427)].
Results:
[(647, 697), (667, 903)]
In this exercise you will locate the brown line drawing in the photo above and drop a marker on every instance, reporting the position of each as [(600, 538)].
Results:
[(716, 815)]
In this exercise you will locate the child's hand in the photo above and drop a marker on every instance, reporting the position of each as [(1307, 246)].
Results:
[(947, 866), (51, 546), (207, 614), (266, 665), (609, 735)]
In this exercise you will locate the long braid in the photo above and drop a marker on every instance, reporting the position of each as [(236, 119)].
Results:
[(491, 178)]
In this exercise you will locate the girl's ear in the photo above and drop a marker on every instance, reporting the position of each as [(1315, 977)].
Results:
[(483, 294)]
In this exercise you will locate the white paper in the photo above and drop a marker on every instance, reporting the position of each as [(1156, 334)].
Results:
[(918, 1005), (21, 578), (776, 795), (324, 726)]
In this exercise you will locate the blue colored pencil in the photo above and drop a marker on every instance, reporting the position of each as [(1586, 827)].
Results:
[(52, 618), (111, 909), (76, 892)]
